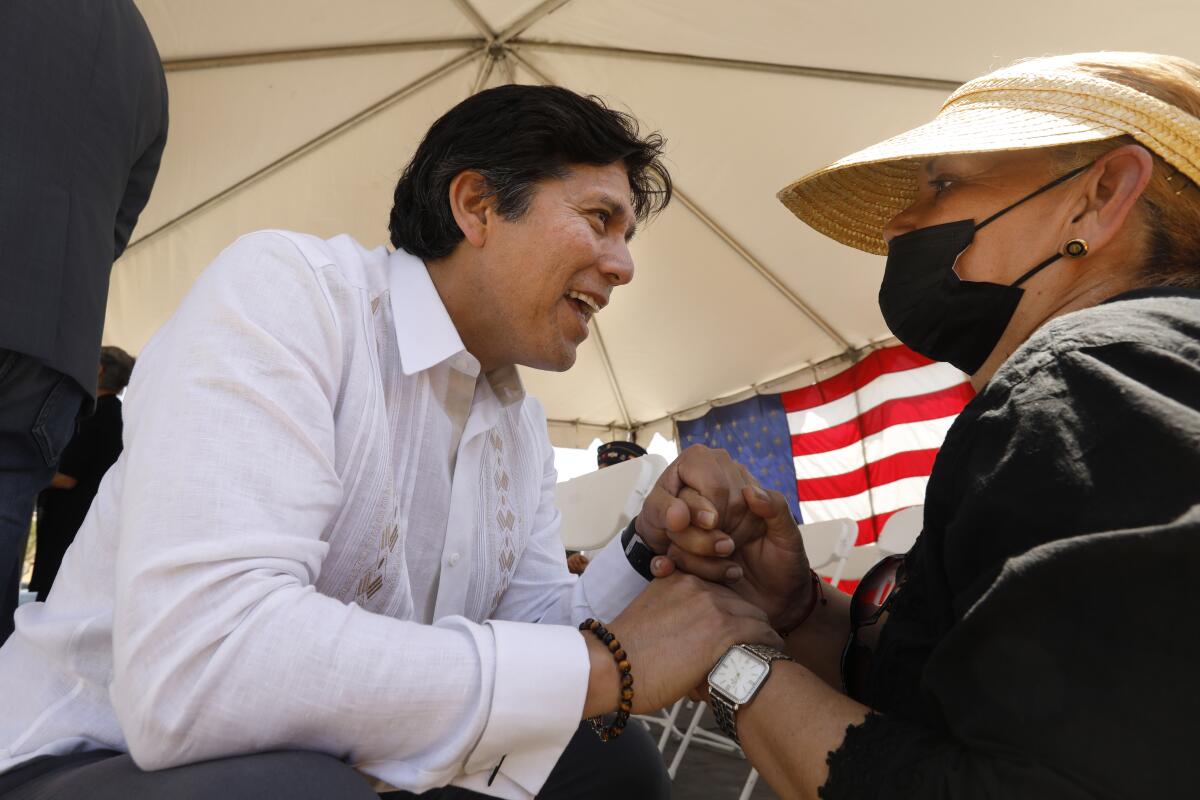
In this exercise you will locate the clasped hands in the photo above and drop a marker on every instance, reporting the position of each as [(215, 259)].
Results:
[(731, 568)]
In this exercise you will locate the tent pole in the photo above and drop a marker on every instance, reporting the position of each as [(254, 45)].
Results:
[(479, 22), (304, 54), (762, 270), (510, 66), (485, 71), (612, 376), (767, 385), (312, 144), (537, 73), (886, 79), (529, 20)]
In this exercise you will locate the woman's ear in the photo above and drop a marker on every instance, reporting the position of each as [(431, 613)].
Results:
[(1118, 179), (471, 203)]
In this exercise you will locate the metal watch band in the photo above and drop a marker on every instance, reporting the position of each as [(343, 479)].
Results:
[(724, 711), (768, 654), (638, 553)]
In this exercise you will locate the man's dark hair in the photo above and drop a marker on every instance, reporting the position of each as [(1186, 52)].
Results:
[(515, 136), (118, 366)]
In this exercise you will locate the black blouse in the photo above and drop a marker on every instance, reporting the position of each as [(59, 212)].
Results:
[(1044, 642)]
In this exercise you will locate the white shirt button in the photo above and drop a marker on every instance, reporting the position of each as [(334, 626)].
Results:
[(454, 557)]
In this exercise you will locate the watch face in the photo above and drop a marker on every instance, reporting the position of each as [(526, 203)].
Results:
[(738, 675)]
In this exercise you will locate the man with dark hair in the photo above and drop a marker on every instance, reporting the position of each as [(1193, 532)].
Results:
[(617, 452), (92, 450), (83, 122), (332, 527)]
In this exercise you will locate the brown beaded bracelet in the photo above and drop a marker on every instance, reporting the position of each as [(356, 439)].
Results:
[(626, 704)]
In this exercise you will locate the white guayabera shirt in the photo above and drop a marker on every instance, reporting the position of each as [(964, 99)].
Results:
[(327, 531)]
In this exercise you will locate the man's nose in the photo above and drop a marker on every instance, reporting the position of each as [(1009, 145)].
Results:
[(617, 265)]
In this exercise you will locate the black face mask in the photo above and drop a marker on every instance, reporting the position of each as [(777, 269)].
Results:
[(933, 311)]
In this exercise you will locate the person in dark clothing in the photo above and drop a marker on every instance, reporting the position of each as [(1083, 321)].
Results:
[(94, 448), (83, 123), (1036, 642), (617, 452)]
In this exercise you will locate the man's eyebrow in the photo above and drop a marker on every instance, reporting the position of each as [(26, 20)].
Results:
[(618, 209)]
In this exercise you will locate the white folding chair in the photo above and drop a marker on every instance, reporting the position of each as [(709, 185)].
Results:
[(714, 741), (901, 530), (700, 736), (595, 507), (855, 564), (748, 786), (828, 541), (667, 719)]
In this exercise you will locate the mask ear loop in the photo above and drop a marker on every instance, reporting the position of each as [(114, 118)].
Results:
[(1035, 193), (1030, 196), (1036, 269)]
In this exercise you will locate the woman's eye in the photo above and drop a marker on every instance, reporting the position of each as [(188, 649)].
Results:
[(941, 185)]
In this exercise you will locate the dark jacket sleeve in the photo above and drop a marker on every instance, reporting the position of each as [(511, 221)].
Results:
[(137, 192), (1067, 561), (145, 168)]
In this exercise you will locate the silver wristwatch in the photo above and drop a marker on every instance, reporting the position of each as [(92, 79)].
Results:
[(735, 680)]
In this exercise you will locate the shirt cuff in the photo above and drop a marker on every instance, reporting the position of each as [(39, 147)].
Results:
[(537, 702), (610, 582)]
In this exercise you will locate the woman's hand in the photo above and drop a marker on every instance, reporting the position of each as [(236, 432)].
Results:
[(673, 633), (774, 567), (723, 527)]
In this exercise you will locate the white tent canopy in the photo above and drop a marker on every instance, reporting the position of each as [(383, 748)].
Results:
[(300, 114)]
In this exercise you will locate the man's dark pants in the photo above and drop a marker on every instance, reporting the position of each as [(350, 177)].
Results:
[(629, 766), (38, 408)]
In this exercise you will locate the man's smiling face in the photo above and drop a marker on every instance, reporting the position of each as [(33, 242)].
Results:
[(543, 276)]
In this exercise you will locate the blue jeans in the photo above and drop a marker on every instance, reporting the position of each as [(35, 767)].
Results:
[(38, 409)]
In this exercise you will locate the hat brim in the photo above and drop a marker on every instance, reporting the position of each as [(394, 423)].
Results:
[(852, 199)]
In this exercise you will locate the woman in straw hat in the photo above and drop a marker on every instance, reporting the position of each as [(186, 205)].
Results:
[(1042, 234)]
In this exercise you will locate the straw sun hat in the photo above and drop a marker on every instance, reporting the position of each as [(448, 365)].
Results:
[(1040, 103)]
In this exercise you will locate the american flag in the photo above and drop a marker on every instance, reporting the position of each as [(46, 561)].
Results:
[(864, 439)]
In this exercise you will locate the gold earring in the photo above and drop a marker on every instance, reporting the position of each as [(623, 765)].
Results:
[(1186, 182), (1076, 248)]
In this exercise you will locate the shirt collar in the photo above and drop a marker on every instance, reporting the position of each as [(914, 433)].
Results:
[(425, 334)]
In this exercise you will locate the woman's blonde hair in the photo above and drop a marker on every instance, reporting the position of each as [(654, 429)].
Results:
[(1171, 202)]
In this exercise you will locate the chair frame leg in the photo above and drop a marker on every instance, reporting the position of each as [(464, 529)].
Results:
[(687, 740)]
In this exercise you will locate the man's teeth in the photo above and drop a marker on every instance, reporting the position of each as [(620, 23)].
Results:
[(583, 298)]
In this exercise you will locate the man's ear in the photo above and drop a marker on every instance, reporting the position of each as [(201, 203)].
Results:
[(471, 202), (1117, 180)]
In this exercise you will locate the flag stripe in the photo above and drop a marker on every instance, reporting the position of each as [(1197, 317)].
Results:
[(890, 497), (865, 440), (908, 464), (934, 405), (884, 389), (894, 439), (880, 362)]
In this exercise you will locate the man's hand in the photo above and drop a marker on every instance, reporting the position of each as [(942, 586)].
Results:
[(673, 633), (716, 481)]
